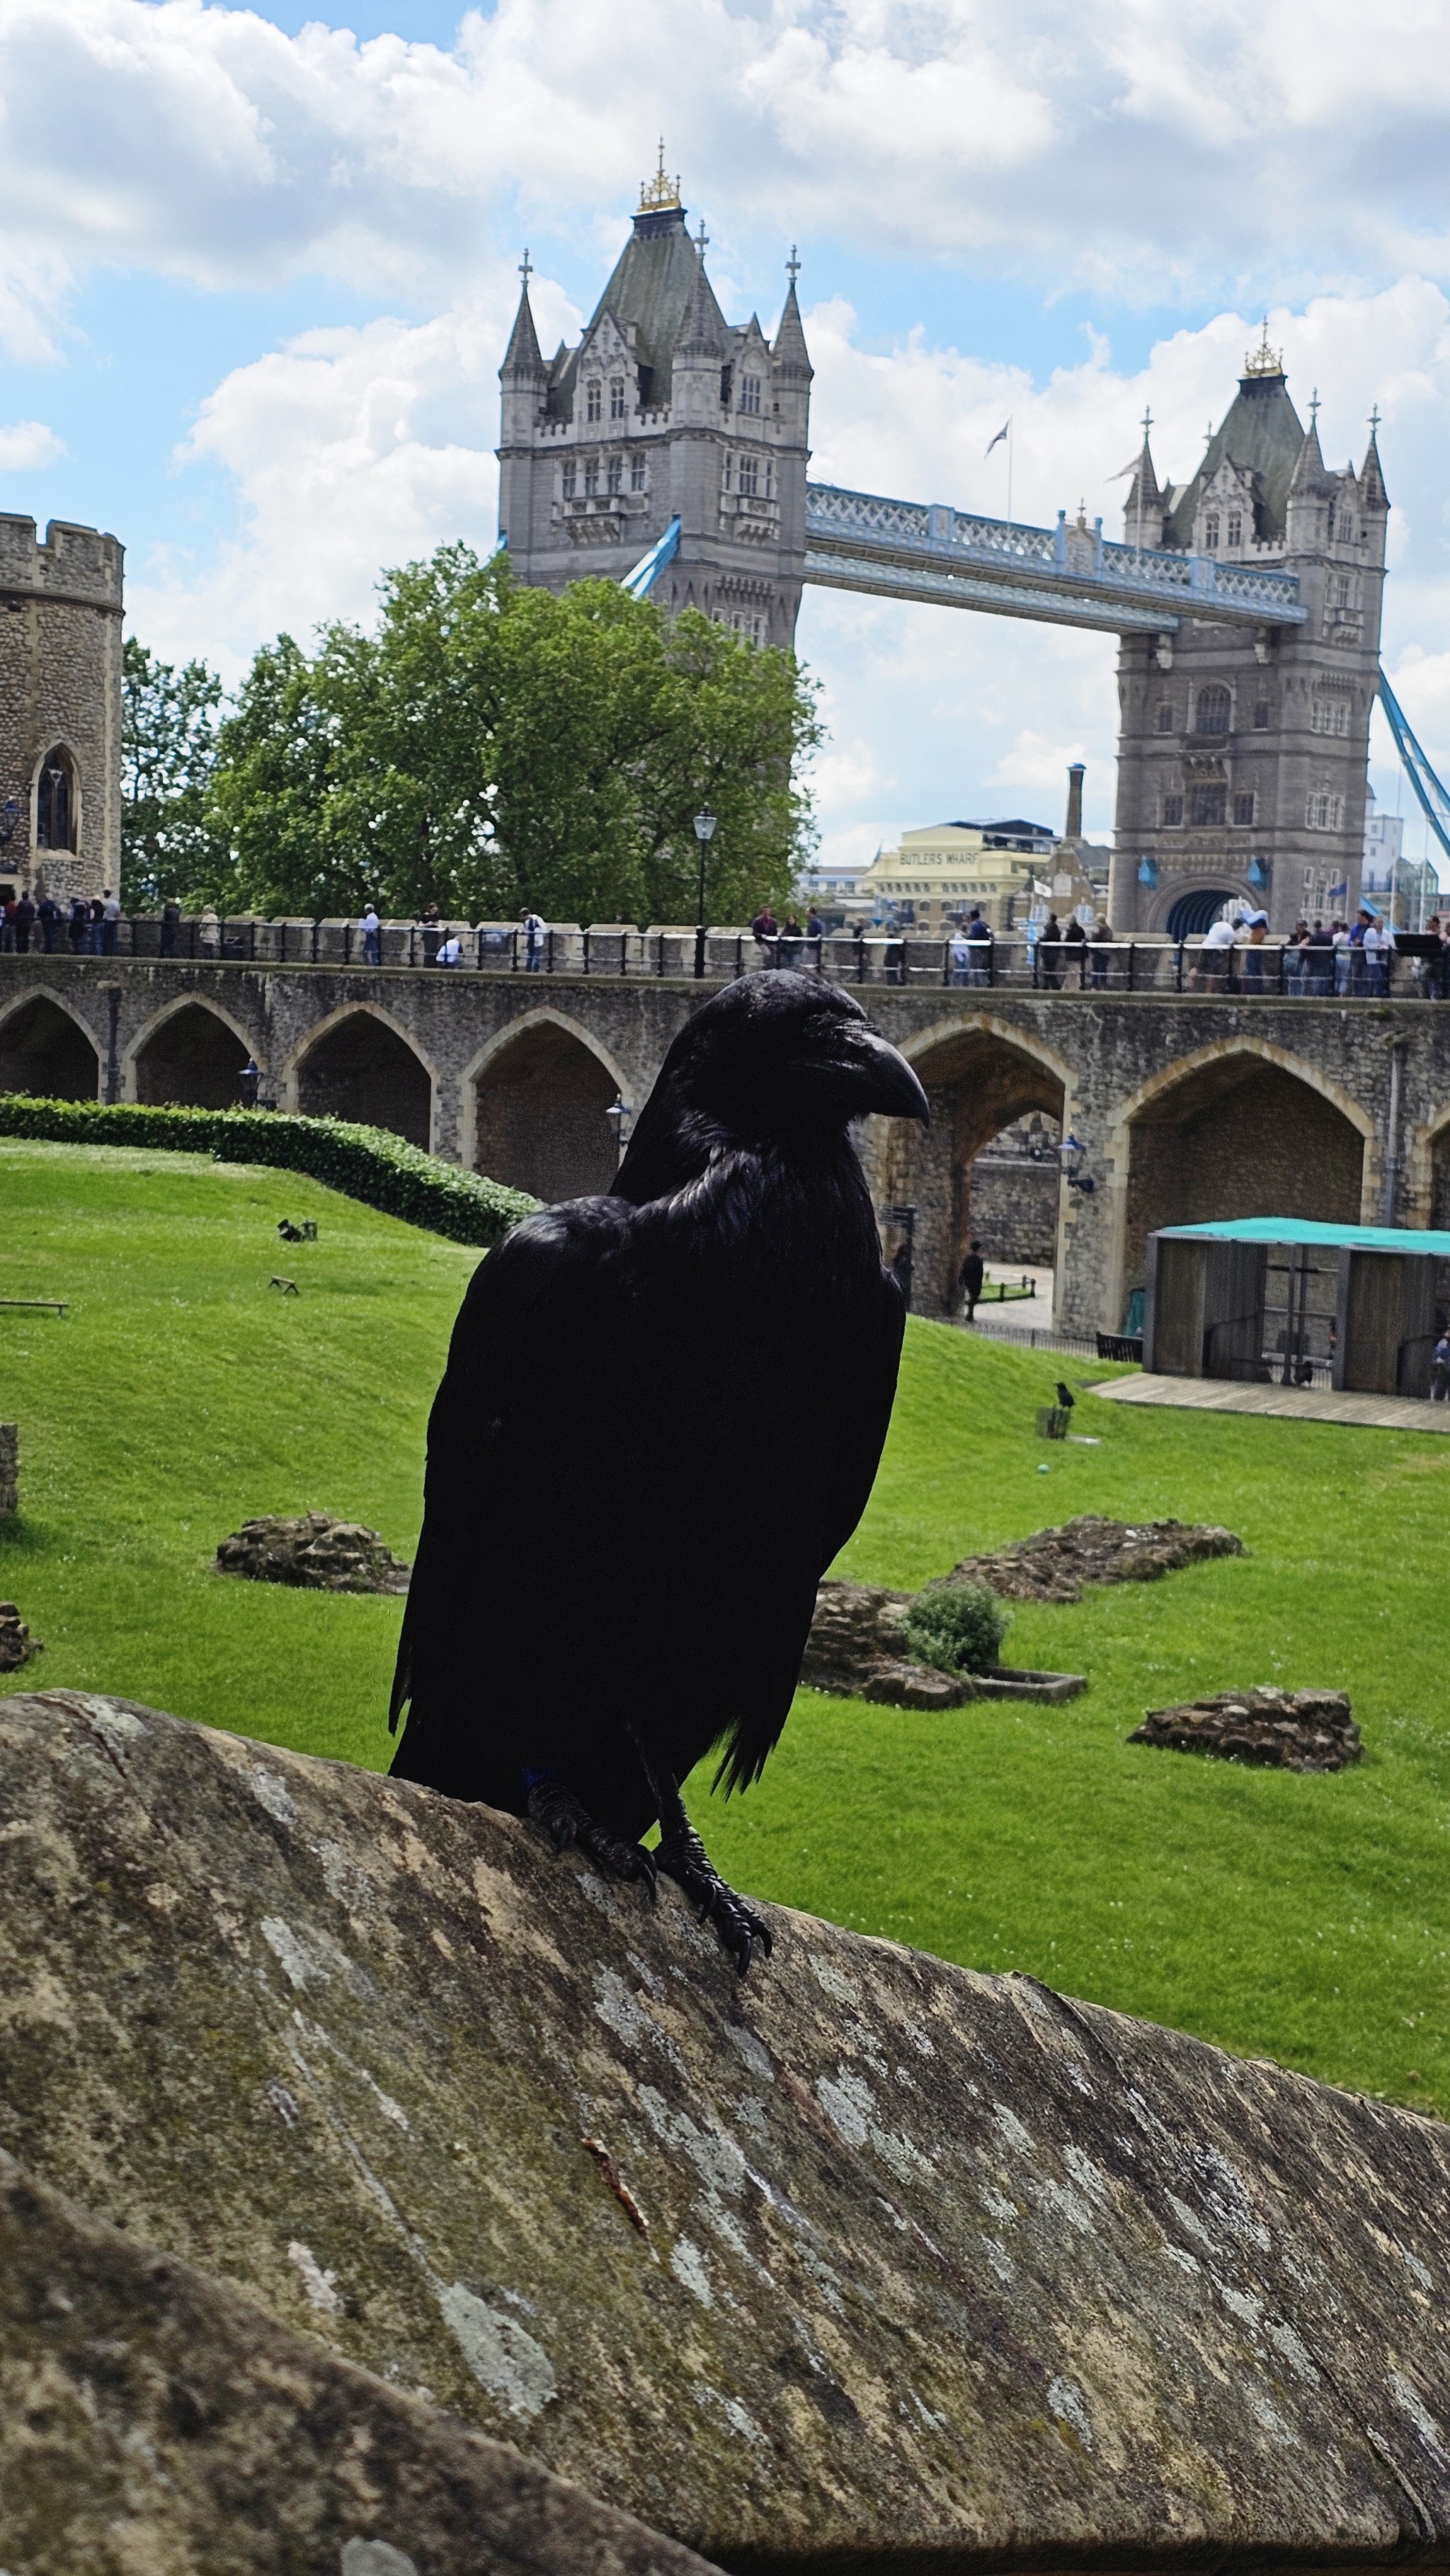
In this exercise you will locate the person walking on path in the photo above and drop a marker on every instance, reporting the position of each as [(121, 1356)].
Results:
[(48, 914), (533, 941), (961, 958), (170, 926), (1257, 926), (450, 951), (973, 1272), (209, 932), (77, 929), (980, 944), (24, 924), (765, 926), (1215, 957), (110, 922), (815, 927), (372, 936), (1100, 941), (1440, 1370), (1049, 952)]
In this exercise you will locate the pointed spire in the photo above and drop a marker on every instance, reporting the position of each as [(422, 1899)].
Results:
[(792, 358), (1372, 481), (523, 356), (1308, 474), (702, 333)]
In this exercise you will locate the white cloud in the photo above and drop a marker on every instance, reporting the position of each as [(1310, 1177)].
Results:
[(1150, 151), (26, 444)]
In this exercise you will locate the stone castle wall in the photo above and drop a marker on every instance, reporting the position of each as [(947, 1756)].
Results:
[(60, 692)]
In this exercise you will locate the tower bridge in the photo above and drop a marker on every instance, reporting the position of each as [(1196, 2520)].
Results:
[(670, 450)]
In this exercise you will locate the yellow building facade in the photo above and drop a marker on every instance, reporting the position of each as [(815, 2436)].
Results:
[(937, 875)]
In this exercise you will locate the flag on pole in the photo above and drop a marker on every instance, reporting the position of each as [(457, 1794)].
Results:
[(1130, 468), (1001, 434)]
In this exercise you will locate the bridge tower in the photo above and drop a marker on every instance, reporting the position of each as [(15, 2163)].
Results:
[(663, 411), (1243, 753)]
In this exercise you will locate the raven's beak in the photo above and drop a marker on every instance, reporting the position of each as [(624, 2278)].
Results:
[(865, 1076)]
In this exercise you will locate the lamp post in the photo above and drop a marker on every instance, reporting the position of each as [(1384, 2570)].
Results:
[(704, 834), (1073, 1151), (618, 1117)]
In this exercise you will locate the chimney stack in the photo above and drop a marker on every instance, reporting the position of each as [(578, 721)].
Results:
[(1075, 776)]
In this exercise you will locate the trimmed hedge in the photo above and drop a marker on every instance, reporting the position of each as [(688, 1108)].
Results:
[(365, 1163)]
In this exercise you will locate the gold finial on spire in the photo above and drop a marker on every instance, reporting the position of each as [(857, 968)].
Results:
[(660, 192), (1264, 361)]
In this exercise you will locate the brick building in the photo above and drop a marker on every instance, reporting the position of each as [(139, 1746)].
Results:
[(1242, 754), (60, 709)]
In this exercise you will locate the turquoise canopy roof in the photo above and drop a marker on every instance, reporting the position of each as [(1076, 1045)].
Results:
[(1300, 1229)]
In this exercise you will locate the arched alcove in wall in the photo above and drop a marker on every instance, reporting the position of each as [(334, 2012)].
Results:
[(191, 1060), (1238, 1136), (540, 1114), (979, 1081), (45, 1052), (360, 1068)]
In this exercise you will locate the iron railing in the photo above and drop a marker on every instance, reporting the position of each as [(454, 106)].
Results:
[(1276, 970)]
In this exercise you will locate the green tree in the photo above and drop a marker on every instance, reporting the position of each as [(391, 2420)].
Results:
[(169, 846), (491, 745)]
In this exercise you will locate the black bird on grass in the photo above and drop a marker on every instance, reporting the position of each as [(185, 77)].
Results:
[(660, 1421), (1065, 1397)]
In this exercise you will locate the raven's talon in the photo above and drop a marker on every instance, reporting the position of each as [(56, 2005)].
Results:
[(566, 1822), (737, 1926)]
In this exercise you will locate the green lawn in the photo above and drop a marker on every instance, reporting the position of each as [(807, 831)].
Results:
[(1302, 1919)]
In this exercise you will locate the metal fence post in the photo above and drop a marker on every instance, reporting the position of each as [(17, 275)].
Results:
[(1178, 968)]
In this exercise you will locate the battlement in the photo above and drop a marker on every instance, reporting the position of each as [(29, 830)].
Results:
[(70, 561)]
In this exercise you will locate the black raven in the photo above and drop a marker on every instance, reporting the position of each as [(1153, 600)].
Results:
[(660, 1421), (1065, 1397)]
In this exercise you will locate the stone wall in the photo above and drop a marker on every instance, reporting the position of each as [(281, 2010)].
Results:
[(60, 691), (1224, 1099), (868, 2262), (1013, 1189)]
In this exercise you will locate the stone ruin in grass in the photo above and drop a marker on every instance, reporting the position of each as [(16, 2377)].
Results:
[(316, 1552), (1305, 1730)]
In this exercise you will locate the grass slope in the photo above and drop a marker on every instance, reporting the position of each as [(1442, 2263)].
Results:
[(1302, 1919)]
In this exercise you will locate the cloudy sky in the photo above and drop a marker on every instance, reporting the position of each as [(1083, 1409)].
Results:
[(257, 270)]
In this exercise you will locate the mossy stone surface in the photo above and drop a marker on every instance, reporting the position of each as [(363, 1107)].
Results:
[(869, 2260)]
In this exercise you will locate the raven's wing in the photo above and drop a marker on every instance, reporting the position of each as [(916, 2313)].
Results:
[(541, 1294)]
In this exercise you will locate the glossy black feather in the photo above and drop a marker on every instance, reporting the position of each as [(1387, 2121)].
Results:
[(660, 1421)]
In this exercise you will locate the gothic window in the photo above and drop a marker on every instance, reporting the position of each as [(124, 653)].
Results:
[(616, 397), (571, 479), (1210, 533), (749, 474), (55, 802), (1340, 591), (1235, 528), (727, 375), (1208, 805), (1243, 809), (750, 393), (1324, 813), (1261, 716), (1165, 719), (592, 393), (616, 473), (1212, 710), (591, 476), (770, 478), (729, 471), (636, 474), (1172, 809), (1331, 527), (1329, 715)]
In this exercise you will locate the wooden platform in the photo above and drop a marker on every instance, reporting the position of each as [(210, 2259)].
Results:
[(1291, 1403)]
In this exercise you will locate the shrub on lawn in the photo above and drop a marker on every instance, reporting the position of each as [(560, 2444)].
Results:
[(957, 1627), (365, 1163)]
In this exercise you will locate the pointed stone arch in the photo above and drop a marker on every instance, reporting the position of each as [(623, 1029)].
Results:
[(535, 1104), (360, 1063), (981, 1074), (47, 1049), (1239, 1128), (188, 1056)]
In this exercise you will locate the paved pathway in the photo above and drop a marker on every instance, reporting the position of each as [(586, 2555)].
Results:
[(1297, 1403)]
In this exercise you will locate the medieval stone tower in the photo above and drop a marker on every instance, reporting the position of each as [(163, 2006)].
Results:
[(663, 411), (1242, 755), (60, 710)]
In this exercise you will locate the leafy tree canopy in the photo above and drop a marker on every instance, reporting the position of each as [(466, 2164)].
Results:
[(492, 745), (168, 743)]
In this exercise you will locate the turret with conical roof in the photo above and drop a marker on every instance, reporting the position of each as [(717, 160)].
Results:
[(663, 410)]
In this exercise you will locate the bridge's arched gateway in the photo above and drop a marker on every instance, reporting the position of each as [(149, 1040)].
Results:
[(191, 1060), (1235, 1133), (359, 1067), (980, 1077), (540, 1122), (45, 1052)]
